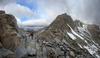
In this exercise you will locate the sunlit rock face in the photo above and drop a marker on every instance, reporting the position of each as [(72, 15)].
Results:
[(9, 38)]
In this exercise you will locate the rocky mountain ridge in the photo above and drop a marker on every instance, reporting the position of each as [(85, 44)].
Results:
[(63, 38), (66, 38)]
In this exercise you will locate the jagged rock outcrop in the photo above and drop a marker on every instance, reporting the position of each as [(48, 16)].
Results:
[(95, 32), (62, 22), (78, 23), (9, 38)]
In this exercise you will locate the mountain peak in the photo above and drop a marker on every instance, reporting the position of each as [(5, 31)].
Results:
[(61, 22)]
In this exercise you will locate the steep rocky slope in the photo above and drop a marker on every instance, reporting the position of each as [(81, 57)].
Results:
[(63, 38), (59, 36), (9, 39)]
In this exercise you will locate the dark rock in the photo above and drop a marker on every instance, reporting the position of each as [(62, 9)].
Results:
[(95, 32), (2, 12)]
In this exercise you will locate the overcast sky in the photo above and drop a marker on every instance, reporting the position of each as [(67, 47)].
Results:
[(43, 12)]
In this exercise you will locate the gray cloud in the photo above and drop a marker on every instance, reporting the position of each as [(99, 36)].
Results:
[(84, 10), (5, 2), (92, 10)]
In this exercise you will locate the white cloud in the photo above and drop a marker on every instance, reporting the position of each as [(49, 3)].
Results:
[(18, 10), (37, 22)]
